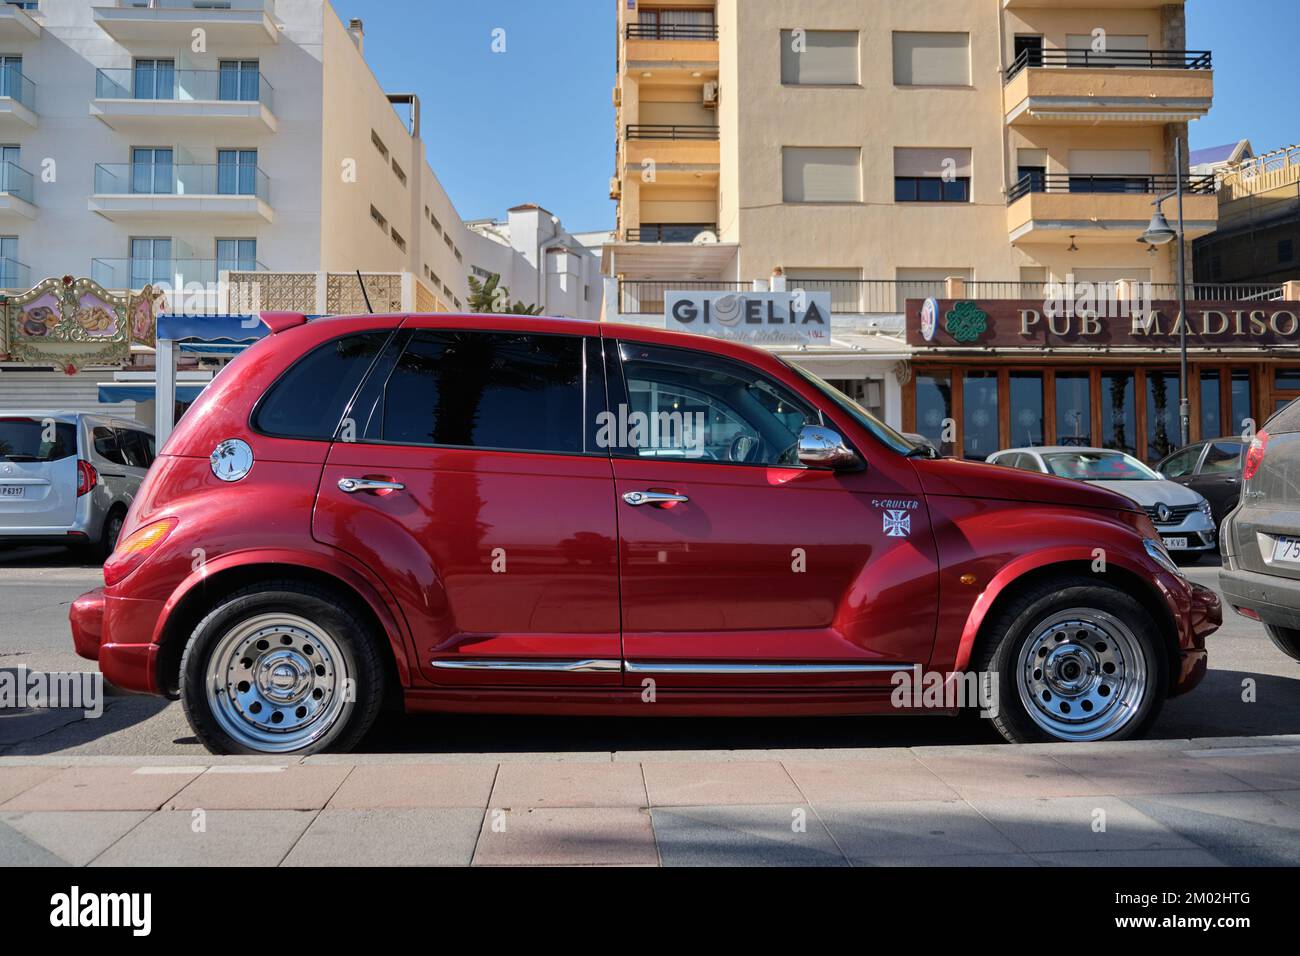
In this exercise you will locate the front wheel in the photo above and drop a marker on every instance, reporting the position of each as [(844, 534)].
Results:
[(1075, 660), (281, 668)]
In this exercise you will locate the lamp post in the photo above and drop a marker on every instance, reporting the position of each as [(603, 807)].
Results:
[(1160, 233)]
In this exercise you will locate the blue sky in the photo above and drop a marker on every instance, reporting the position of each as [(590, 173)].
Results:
[(535, 123)]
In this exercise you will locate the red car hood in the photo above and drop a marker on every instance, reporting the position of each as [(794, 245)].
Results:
[(973, 479)]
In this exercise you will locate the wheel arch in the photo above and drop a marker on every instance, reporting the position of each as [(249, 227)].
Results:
[(199, 593), (989, 607)]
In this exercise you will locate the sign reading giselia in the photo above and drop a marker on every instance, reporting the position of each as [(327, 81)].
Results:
[(759, 318)]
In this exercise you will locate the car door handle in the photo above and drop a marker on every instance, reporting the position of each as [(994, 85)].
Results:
[(352, 485), (638, 498)]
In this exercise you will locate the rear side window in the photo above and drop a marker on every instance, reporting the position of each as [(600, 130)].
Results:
[(310, 398), (35, 439), (501, 390), (108, 444), (136, 448), (1224, 457)]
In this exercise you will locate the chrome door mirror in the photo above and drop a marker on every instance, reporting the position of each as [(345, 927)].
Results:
[(823, 448)]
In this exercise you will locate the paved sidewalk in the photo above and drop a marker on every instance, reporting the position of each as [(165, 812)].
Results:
[(1207, 802)]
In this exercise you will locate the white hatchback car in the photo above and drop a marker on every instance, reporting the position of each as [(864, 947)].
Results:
[(68, 477), (1182, 516)]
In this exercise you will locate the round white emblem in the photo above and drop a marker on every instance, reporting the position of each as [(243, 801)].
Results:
[(728, 309), (929, 319), (232, 459)]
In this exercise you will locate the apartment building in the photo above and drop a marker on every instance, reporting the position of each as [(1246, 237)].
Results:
[(900, 150)]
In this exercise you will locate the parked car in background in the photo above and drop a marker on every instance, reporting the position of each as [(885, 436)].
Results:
[(458, 514), (68, 478), (1182, 516), (1261, 537), (1212, 469)]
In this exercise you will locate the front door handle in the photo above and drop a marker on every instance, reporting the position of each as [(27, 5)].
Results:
[(638, 498), (352, 485)]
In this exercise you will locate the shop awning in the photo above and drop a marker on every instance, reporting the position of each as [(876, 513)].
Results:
[(111, 393)]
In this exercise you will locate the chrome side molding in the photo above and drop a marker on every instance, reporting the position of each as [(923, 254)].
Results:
[(572, 667), (711, 667)]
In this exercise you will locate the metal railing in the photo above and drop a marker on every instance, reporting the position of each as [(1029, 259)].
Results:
[(672, 31), (266, 6), (176, 272), (17, 86), (1218, 291), (15, 274), (181, 179), (1121, 59), (671, 131), (220, 85), (16, 181), (1137, 183), (670, 232)]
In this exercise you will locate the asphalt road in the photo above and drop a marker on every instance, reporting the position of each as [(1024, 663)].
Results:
[(36, 587)]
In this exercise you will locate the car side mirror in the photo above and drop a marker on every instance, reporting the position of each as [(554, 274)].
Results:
[(823, 448)]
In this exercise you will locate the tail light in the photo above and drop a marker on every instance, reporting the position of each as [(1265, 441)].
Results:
[(1255, 455), (87, 477), (135, 548)]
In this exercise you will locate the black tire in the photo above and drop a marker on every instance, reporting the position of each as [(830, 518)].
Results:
[(1286, 639), (357, 640), (112, 531), (1017, 623)]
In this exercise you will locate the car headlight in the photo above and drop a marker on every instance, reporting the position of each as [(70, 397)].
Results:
[(1156, 548), (1203, 507)]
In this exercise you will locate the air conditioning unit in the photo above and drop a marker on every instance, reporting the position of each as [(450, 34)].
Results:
[(618, 96), (711, 94), (706, 238), (615, 187)]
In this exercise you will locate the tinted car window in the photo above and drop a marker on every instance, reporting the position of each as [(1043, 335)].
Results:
[(502, 390), (1224, 457), (698, 406), (1181, 464), (108, 444), (134, 448), (310, 398), (32, 439)]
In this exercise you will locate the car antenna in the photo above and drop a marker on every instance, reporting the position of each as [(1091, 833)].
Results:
[(364, 293)]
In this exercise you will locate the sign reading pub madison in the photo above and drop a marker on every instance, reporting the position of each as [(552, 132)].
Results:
[(1010, 324), (758, 318)]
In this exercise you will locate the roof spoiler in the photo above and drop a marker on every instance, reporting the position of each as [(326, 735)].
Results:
[(280, 321)]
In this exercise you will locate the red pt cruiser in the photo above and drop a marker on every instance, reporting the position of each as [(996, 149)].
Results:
[(535, 516)]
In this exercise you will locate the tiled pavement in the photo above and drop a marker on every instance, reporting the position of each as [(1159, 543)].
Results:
[(1230, 801)]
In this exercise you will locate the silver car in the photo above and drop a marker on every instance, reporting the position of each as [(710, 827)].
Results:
[(1182, 516), (68, 477), (1261, 536)]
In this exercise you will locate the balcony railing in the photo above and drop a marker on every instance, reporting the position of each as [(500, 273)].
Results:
[(267, 6), (16, 181), (670, 232), (15, 85), (137, 273), (1135, 183), (1122, 59), (15, 274), (221, 85), (671, 131), (672, 31), (184, 179)]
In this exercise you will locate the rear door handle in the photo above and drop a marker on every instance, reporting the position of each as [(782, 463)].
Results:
[(352, 485), (638, 498)]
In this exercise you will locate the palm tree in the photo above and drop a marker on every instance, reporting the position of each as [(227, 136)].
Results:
[(490, 296)]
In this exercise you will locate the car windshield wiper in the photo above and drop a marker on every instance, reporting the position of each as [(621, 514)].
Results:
[(920, 451)]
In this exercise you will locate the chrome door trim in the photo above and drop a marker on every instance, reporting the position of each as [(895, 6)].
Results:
[(497, 664), (723, 668)]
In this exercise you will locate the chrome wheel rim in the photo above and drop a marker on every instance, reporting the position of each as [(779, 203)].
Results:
[(1082, 674), (275, 682)]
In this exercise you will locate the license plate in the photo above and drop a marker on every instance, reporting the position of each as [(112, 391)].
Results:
[(1286, 549), (1175, 544), (11, 491)]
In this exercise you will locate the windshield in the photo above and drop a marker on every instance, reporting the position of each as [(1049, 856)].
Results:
[(1098, 466), (859, 414), (33, 439)]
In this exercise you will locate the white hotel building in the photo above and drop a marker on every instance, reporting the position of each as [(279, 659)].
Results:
[(141, 139)]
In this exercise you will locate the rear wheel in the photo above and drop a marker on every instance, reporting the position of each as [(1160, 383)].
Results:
[(1075, 660), (1287, 640), (281, 668)]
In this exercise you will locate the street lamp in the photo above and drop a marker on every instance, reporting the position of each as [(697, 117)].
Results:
[(1160, 233)]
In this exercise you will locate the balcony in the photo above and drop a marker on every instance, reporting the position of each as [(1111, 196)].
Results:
[(140, 101), (172, 22), (17, 22), (15, 276), (690, 148), (17, 101), (1108, 208), (17, 192), (673, 47), (1123, 87), (135, 274), (133, 191), (672, 232)]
